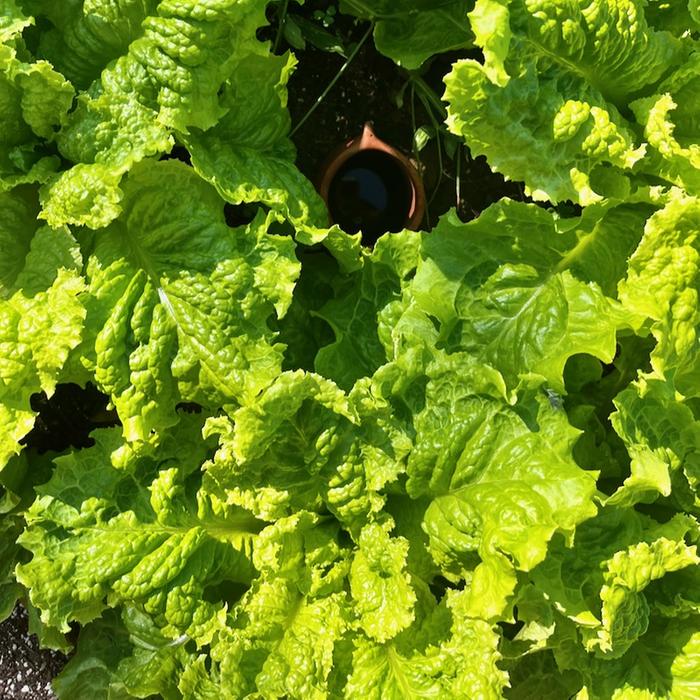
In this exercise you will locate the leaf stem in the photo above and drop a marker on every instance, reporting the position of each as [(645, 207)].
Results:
[(438, 140), (430, 95), (416, 153), (458, 178), (280, 27), (337, 76)]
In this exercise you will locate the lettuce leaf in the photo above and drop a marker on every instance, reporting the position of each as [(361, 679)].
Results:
[(178, 303), (411, 32), (500, 478), (160, 550), (463, 464), (662, 284), (84, 36), (41, 313), (557, 82), (247, 163), (34, 103), (168, 78)]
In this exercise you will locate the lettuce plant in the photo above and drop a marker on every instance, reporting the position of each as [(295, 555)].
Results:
[(463, 464)]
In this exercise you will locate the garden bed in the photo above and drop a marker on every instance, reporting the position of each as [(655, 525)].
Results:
[(245, 454), (26, 670)]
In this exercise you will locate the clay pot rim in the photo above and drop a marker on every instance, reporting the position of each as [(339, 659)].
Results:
[(367, 141)]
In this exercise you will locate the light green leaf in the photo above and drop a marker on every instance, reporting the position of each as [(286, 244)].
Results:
[(85, 35), (624, 611), (363, 339), (183, 56), (663, 283), (12, 21), (605, 582), (379, 584), (169, 77), (490, 22), (112, 130), (380, 673), (46, 98), (519, 290), (105, 135), (502, 480), (306, 445), (283, 632), (503, 324), (664, 664), (286, 648), (271, 454), (39, 325), (555, 83), (463, 666), (672, 127), (86, 195), (34, 101), (612, 48), (310, 638), (247, 155), (179, 303), (128, 536), (557, 136), (195, 681), (662, 437)]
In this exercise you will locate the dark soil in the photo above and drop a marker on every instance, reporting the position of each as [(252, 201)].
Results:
[(67, 418), (26, 670), (373, 89)]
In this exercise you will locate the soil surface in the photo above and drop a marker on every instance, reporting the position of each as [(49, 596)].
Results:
[(68, 417), (373, 89), (26, 670)]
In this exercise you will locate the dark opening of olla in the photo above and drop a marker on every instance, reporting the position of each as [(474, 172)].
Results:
[(372, 193)]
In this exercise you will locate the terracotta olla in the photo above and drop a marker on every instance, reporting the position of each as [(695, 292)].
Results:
[(371, 187)]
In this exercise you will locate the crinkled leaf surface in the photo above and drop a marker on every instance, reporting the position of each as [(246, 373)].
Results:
[(381, 588), (554, 83), (501, 479), (605, 583), (664, 664), (132, 535), (34, 101), (167, 78), (662, 284), (179, 302), (247, 155), (463, 464), (359, 311), (522, 291), (306, 445), (463, 665), (85, 35), (41, 314)]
